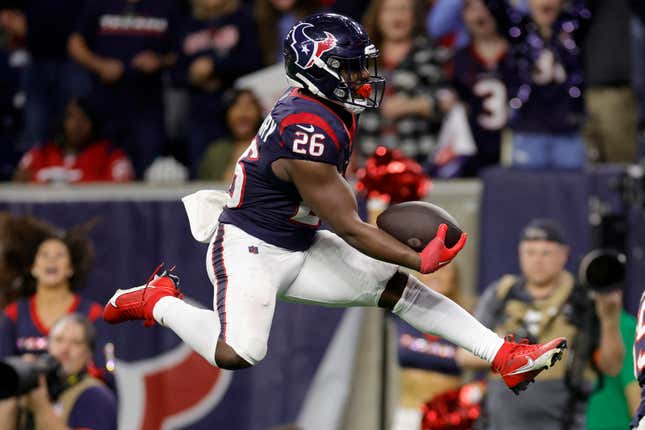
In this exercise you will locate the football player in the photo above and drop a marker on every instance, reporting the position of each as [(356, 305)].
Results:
[(268, 246)]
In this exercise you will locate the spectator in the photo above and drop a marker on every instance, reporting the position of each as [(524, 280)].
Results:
[(544, 302), (274, 18), (78, 154), (126, 44), (218, 43), (428, 365), (76, 401), (48, 283), (411, 113), (243, 119), (545, 91), (20, 237), (611, 129), (613, 404), (50, 79), (479, 72)]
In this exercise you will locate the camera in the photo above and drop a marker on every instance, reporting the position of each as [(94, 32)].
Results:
[(18, 377), (603, 270)]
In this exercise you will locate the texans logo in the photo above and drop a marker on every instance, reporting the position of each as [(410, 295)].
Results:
[(306, 48), (172, 390)]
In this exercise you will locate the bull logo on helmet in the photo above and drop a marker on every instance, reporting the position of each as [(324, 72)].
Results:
[(308, 49)]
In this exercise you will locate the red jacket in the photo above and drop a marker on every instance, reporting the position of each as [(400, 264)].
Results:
[(98, 162)]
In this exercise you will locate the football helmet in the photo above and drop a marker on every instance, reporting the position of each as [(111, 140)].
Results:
[(332, 56)]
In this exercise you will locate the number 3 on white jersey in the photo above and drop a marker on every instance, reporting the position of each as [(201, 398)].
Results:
[(236, 191), (493, 94)]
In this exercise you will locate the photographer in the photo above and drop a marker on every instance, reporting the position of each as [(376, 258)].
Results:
[(544, 302), (73, 399)]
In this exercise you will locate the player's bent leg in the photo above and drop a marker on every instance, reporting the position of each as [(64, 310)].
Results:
[(196, 326), (200, 329), (159, 300), (227, 358), (245, 273)]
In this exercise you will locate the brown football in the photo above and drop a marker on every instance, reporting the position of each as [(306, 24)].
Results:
[(416, 223)]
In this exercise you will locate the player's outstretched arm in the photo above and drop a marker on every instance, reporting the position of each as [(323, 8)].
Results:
[(327, 193)]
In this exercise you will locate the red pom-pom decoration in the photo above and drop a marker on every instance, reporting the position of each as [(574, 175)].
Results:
[(393, 177), (455, 409)]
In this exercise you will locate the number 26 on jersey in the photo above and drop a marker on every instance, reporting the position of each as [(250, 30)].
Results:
[(308, 144)]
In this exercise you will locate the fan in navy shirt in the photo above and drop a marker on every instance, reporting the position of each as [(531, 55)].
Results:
[(218, 44), (479, 72), (545, 91), (126, 44)]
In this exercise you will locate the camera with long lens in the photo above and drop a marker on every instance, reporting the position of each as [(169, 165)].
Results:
[(603, 270), (18, 377)]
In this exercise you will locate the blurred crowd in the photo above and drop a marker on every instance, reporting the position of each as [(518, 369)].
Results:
[(122, 90)]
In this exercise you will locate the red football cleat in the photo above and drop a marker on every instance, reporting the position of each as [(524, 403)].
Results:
[(519, 363), (137, 303)]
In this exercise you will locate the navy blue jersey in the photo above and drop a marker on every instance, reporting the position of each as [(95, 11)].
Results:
[(639, 360), (481, 87), (22, 332), (545, 88), (231, 42), (298, 127), (121, 28)]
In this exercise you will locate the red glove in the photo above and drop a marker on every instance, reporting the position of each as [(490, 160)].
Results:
[(435, 255)]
